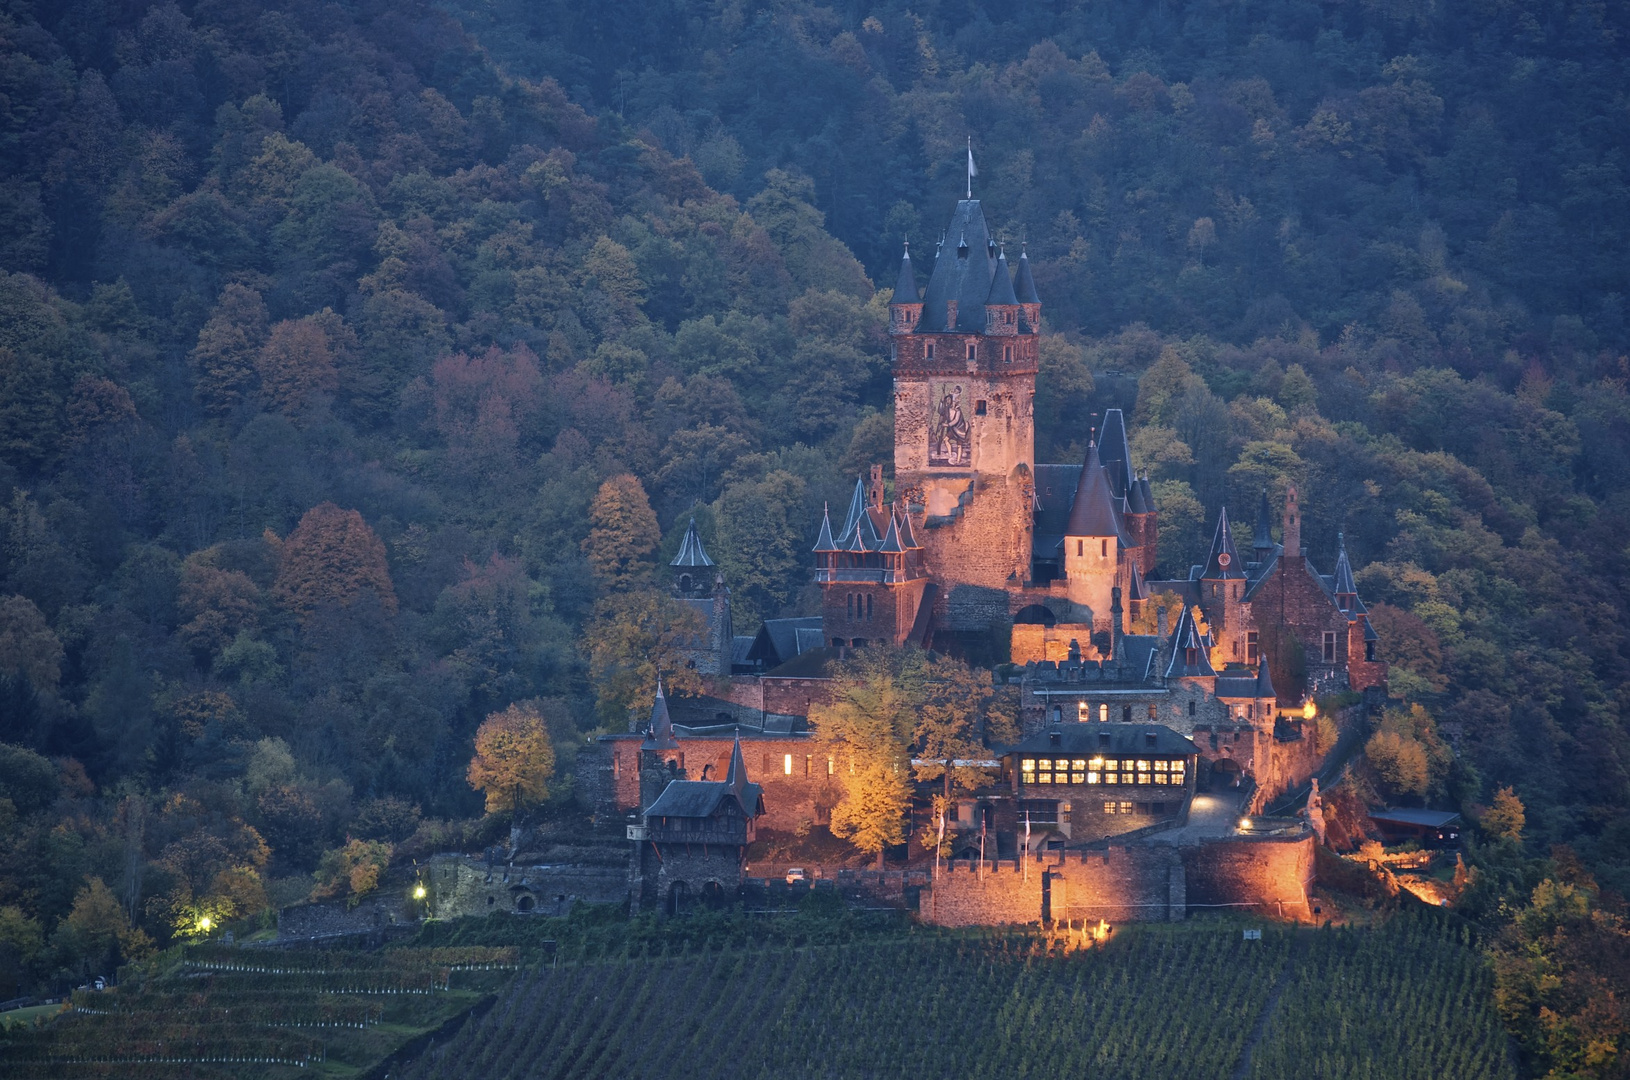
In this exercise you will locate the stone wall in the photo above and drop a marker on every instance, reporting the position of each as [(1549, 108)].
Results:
[(459, 886), (845, 619), (1269, 875), (1292, 602), (805, 794), (332, 918)]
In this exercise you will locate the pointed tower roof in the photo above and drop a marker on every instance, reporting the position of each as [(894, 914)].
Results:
[(735, 777), (691, 554), (962, 274), (891, 539), (1001, 284), (1023, 284), (1345, 586), (1148, 493), (908, 538), (905, 286), (662, 725), (1093, 513), (1264, 682), (1135, 502), (1115, 453), (1136, 589), (1189, 653), (824, 542), (1262, 537), (1224, 563), (857, 543), (857, 508)]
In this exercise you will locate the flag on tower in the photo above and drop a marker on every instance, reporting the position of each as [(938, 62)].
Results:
[(972, 170)]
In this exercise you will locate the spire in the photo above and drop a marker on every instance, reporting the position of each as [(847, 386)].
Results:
[(1264, 681), (1023, 284), (691, 554), (1136, 591), (1001, 285), (1262, 539), (1135, 502), (1189, 655), (1115, 452), (954, 301), (908, 538), (1345, 586), (1093, 513), (824, 544), (905, 287), (857, 508), (1224, 562), (735, 777), (891, 540), (662, 725)]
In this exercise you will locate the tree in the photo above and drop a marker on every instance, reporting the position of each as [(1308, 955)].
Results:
[(28, 646), (96, 932), (623, 534), (217, 604), (1399, 761), (866, 726), (296, 365), (514, 758), (761, 543), (957, 710), (1506, 818), (332, 558), (354, 868), (223, 359), (634, 636)]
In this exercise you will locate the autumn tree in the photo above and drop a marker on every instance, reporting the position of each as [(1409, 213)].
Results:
[(960, 709), (1506, 817), (224, 357), (96, 934), (866, 728), (296, 364), (623, 534), (514, 758), (332, 557), (217, 604), (633, 637)]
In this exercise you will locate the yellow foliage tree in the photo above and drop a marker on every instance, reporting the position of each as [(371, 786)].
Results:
[(332, 557), (623, 533), (514, 758), (1507, 817), (356, 867)]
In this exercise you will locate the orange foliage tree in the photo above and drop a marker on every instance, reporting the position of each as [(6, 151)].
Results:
[(332, 557), (296, 364), (514, 758)]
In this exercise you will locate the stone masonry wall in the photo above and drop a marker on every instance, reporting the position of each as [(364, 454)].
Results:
[(460, 886), (1267, 874), (805, 794)]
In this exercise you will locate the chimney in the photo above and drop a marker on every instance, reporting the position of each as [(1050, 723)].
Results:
[(876, 491), (1118, 627), (1293, 523)]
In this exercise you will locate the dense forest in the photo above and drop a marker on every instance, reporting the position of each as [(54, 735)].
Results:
[(359, 361)]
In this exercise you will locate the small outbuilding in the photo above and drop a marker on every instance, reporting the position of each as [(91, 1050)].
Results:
[(1432, 828)]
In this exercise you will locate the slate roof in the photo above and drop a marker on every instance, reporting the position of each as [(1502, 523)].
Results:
[(1116, 454), (1245, 683), (1135, 588), (1431, 819), (1186, 638), (962, 272), (1093, 511), (1224, 563), (857, 506), (704, 798), (824, 542), (778, 641), (1344, 570), (691, 554), (1001, 285), (661, 736), (905, 286), (1077, 738), (1024, 286), (1136, 500), (1055, 485)]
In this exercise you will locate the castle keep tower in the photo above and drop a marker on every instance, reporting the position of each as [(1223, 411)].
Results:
[(964, 356)]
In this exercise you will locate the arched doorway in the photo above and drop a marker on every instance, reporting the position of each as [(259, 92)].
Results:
[(713, 895), (1036, 615), (1225, 774), (678, 898), (525, 902)]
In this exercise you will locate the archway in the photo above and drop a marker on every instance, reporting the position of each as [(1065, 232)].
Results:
[(1036, 615), (1225, 773), (678, 898), (525, 902), (713, 895)]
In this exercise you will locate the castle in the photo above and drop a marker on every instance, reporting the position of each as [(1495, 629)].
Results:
[(980, 544)]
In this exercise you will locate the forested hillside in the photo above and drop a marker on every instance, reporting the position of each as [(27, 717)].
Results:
[(358, 360)]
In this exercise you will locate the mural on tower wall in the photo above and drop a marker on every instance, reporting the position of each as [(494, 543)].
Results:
[(950, 440)]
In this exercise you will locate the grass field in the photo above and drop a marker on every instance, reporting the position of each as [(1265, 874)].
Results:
[(1407, 1000)]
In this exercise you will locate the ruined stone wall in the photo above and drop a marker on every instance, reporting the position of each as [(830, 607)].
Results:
[(1269, 875), (335, 917), (460, 886)]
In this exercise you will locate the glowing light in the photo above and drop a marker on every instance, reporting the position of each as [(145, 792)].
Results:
[(1245, 824), (205, 923), (418, 891), (1310, 710)]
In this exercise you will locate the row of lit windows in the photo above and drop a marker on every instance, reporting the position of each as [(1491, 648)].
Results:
[(1101, 770), (1084, 711)]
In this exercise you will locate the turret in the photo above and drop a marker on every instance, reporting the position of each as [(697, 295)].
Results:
[(691, 564), (905, 306), (1346, 588), (1092, 541), (1024, 287), (1293, 524), (1002, 307)]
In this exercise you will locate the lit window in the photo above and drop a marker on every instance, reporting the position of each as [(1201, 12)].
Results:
[(1109, 807), (1151, 710), (809, 765), (1083, 711), (831, 766), (1077, 771), (1103, 714), (1143, 766), (1093, 777), (1111, 777), (1126, 808), (786, 764), (1027, 765), (1163, 766)]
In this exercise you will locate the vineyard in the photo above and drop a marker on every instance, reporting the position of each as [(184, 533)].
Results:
[(219, 1012), (1408, 1000)]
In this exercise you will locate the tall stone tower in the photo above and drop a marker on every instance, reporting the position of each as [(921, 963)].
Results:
[(964, 356)]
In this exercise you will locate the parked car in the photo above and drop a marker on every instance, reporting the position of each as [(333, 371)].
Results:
[(797, 876)]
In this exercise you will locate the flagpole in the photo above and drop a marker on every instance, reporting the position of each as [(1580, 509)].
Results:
[(970, 166)]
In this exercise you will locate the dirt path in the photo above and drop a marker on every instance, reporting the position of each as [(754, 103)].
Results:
[(1260, 1028)]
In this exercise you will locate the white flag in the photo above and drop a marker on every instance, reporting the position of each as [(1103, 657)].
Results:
[(973, 171)]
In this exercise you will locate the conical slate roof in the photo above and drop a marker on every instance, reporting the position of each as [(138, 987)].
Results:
[(1023, 284), (962, 273), (824, 542), (905, 286), (891, 540), (1093, 513), (1135, 502), (662, 725), (1136, 590), (1345, 586), (1189, 656), (1224, 562), (908, 538), (735, 777), (1262, 539), (691, 555), (1115, 453), (857, 507), (1001, 284), (1264, 682)]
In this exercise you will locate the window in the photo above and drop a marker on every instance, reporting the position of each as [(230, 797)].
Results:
[(1027, 770), (1103, 714), (786, 765), (1078, 768), (972, 354), (1251, 647), (1007, 350), (1103, 549), (1236, 650), (1083, 711), (849, 604), (928, 351), (809, 765), (1126, 714), (1044, 770), (1191, 708), (1152, 710), (868, 605), (979, 408), (1330, 646), (831, 766)]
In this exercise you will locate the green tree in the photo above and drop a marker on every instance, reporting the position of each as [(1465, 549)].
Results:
[(29, 648), (761, 543), (224, 358), (634, 636)]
